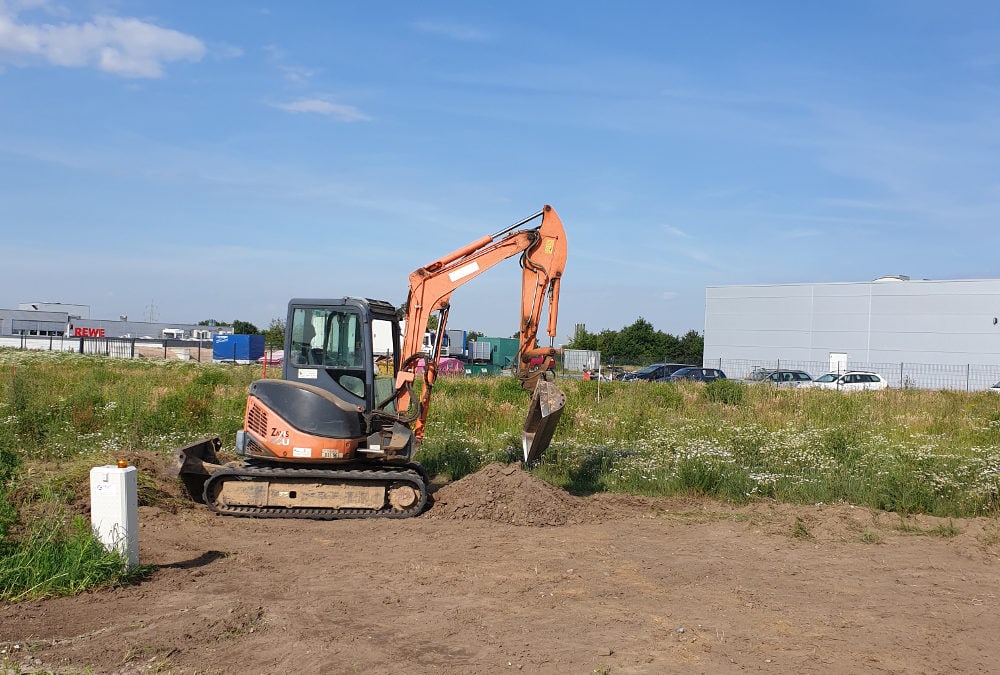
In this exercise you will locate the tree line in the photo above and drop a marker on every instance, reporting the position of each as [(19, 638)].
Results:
[(641, 344), (638, 344)]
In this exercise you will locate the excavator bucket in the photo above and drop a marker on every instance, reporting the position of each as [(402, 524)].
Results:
[(546, 407), (194, 463)]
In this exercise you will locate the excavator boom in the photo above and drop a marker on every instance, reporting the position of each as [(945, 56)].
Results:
[(543, 258)]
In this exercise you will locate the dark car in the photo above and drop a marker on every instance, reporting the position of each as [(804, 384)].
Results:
[(655, 372), (695, 374)]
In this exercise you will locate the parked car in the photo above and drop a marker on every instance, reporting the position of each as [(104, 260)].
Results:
[(696, 374), (852, 380), (612, 373), (655, 372), (996, 388), (273, 358), (783, 378)]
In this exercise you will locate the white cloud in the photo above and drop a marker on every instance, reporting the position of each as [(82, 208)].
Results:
[(293, 73), (123, 46), (298, 74), (344, 113), (455, 31)]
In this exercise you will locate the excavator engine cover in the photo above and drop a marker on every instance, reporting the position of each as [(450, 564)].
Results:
[(546, 407)]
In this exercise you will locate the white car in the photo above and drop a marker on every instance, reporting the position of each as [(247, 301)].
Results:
[(995, 387), (852, 380)]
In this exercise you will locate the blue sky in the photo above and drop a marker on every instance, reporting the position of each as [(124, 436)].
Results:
[(202, 160)]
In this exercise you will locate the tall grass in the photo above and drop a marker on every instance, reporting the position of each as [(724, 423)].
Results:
[(55, 558), (57, 406), (60, 413), (904, 450)]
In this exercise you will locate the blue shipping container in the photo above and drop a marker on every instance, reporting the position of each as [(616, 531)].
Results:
[(237, 348)]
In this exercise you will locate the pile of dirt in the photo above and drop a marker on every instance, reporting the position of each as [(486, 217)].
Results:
[(157, 486), (505, 493)]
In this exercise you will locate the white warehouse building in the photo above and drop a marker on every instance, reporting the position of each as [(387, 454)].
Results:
[(922, 333)]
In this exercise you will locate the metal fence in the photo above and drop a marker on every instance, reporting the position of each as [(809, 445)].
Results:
[(578, 359), (121, 348), (960, 377)]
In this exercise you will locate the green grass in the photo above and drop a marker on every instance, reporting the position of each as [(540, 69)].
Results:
[(902, 450), (53, 558), (60, 414)]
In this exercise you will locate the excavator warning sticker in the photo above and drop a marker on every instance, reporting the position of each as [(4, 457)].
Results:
[(301, 452), (550, 245), (307, 373)]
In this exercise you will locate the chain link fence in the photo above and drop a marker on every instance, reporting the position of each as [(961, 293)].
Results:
[(120, 348), (958, 377)]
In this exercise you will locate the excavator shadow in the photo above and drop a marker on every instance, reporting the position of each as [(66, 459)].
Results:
[(206, 558)]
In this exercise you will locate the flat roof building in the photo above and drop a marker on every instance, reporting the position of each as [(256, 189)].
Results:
[(884, 324), (73, 321)]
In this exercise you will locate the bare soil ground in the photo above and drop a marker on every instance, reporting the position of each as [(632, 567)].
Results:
[(505, 573)]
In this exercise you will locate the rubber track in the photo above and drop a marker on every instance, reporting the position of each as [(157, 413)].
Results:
[(412, 473)]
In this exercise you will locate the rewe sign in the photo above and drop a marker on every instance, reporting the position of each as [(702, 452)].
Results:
[(88, 332)]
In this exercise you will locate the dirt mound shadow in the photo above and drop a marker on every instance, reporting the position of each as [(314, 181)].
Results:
[(505, 493)]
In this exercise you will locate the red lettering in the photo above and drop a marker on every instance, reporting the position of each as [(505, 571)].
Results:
[(88, 332)]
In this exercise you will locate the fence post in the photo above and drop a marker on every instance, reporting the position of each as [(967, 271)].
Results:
[(968, 373)]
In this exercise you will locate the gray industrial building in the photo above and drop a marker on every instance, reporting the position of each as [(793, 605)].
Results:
[(925, 333), (53, 319)]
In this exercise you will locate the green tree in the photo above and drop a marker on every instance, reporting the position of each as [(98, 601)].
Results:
[(274, 336), (244, 328), (212, 322), (692, 347), (640, 341), (582, 339)]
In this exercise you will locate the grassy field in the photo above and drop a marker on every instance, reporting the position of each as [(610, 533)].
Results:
[(904, 450)]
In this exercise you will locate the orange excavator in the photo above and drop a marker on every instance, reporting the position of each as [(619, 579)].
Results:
[(336, 436)]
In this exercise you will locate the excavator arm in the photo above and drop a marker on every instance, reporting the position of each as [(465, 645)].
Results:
[(543, 258)]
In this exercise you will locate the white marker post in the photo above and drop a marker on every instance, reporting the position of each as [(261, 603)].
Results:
[(114, 509)]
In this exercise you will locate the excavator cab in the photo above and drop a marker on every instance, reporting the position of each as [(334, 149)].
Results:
[(331, 344)]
